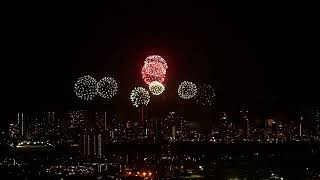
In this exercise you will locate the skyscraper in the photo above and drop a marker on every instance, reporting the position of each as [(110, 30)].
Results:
[(21, 124), (316, 118), (102, 119), (13, 131), (244, 116)]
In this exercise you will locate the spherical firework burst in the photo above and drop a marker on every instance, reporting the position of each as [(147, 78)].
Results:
[(107, 87), (156, 59), (205, 95), (154, 69), (139, 97), (187, 90), (153, 72), (85, 88), (156, 88)]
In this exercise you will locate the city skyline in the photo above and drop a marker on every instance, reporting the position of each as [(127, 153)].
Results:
[(44, 122), (200, 90)]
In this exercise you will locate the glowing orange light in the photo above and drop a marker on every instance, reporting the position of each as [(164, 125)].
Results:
[(138, 172), (144, 174), (129, 172), (150, 173)]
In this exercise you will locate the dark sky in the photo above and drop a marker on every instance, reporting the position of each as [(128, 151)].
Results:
[(259, 55)]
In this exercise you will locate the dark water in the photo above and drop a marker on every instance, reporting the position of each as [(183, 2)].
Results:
[(217, 161)]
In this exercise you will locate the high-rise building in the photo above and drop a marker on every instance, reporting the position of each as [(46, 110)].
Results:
[(22, 124), (78, 119), (13, 131), (244, 116), (268, 125), (3, 136), (166, 127), (85, 144), (300, 126), (173, 127), (173, 133), (316, 119), (99, 145), (17, 128), (92, 144), (102, 119)]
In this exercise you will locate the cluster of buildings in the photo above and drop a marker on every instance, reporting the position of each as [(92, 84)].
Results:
[(91, 131), (94, 134), (273, 130)]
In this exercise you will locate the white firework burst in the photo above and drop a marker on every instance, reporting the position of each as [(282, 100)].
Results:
[(139, 97), (107, 87), (156, 88), (205, 95), (85, 88), (187, 90)]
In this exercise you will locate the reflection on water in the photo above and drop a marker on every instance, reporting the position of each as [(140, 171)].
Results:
[(170, 162)]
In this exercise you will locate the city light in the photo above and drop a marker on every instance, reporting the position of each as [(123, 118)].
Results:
[(33, 144)]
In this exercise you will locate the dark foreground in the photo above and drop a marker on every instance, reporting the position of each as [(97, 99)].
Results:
[(175, 161)]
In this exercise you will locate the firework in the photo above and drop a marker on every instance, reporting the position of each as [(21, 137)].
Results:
[(187, 90), (154, 69), (156, 88), (153, 72), (107, 87), (85, 88), (156, 59), (139, 97), (205, 95)]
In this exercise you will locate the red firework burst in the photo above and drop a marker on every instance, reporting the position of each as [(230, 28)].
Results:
[(156, 59), (154, 69)]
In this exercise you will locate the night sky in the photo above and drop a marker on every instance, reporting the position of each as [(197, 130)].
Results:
[(255, 55)]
